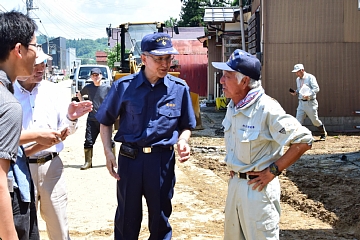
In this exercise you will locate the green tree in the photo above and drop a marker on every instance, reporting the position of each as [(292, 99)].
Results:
[(86, 48), (192, 12), (113, 55)]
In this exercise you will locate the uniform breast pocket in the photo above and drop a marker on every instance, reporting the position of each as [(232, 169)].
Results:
[(243, 145), (133, 113), (168, 118)]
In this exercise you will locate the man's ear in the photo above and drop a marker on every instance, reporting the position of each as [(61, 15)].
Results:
[(143, 58), (245, 81), (17, 50)]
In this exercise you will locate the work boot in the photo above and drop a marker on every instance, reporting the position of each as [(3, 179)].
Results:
[(88, 158), (323, 133)]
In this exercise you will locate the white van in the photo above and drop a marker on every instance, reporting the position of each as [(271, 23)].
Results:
[(81, 78)]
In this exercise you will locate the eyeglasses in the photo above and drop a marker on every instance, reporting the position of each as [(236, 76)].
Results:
[(38, 46), (161, 59)]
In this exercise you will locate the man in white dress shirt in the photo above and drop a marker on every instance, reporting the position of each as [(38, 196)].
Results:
[(42, 110)]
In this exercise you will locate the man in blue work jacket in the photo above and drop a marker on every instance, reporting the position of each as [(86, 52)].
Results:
[(155, 113)]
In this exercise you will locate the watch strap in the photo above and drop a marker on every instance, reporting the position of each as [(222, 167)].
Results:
[(274, 169)]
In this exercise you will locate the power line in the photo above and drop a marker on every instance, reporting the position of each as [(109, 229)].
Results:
[(3, 8), (60, 22)]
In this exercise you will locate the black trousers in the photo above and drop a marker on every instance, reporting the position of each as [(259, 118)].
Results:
[(92, 132), (25, 218)]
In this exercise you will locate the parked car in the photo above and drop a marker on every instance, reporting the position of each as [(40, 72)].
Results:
[(59, 76), (81, 78)]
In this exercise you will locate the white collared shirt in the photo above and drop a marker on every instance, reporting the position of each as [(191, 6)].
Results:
[(43, 109)]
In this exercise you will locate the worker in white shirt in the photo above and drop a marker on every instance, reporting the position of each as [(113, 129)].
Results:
[(42, 110)]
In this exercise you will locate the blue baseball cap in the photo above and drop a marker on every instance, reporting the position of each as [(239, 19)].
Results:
[(158, 44), (242, 62)]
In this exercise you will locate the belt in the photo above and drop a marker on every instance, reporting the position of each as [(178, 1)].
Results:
[(149, 149), (305, 100), (244, 175), (156, 149), (43, 159)]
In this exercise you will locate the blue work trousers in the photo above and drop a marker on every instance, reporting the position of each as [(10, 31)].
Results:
[(150, 175)]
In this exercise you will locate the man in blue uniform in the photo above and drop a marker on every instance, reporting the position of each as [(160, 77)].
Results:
[(155, 113)]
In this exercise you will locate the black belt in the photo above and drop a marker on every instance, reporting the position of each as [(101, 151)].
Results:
[(156, 149), (43, 159), (150, 149), (245, 176), (305, 100)]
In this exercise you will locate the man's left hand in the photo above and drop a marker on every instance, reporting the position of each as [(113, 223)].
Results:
[(183, 149), (264, 177), (78, 109)]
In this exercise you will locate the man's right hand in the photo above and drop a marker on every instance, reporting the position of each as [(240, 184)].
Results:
[(111, 164), (48, 137)]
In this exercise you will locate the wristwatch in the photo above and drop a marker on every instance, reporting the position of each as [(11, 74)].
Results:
[(274, 169)]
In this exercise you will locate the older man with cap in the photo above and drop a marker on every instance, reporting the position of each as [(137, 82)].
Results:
[(43, 111), (256, 131), (96, 92), (155, 113), (307, 88)]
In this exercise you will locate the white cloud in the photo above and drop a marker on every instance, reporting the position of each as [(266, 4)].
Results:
[(75, 19)]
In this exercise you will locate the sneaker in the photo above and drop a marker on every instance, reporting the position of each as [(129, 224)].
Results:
[(323, 137)]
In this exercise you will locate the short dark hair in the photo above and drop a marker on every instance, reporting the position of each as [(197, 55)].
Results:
[(15, 27)]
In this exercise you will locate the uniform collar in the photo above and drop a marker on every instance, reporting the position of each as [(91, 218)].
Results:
[(249, 110), (143, 80)]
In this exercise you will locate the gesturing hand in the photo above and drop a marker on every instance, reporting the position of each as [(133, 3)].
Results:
[(78, 109)]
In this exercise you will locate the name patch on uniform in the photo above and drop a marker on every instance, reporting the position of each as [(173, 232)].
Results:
[(170, 104), (249, 127), (282, 131)]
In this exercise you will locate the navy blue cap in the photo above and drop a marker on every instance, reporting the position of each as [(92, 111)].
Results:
[(243, 62), (95, 70), (158, 44)]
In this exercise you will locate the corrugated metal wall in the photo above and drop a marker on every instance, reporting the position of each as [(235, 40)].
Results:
[(193, 61), (324, 35)]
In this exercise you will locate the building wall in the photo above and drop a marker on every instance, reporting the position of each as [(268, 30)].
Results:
[(193, 61), (57, 49), (324, 35), (70, 60), (214, 55)]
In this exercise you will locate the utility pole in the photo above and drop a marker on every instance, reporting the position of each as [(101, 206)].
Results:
[(29, 7), (242, 26)]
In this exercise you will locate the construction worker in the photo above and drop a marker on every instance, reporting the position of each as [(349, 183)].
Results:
[(96, 92)]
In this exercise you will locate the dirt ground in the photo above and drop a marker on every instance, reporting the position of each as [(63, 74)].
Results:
[(320, 192)]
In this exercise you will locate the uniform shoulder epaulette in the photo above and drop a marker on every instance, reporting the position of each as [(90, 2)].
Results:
[(176, 79), (128, 77)]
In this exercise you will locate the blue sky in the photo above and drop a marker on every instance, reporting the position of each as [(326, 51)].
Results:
[(75, 19)]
